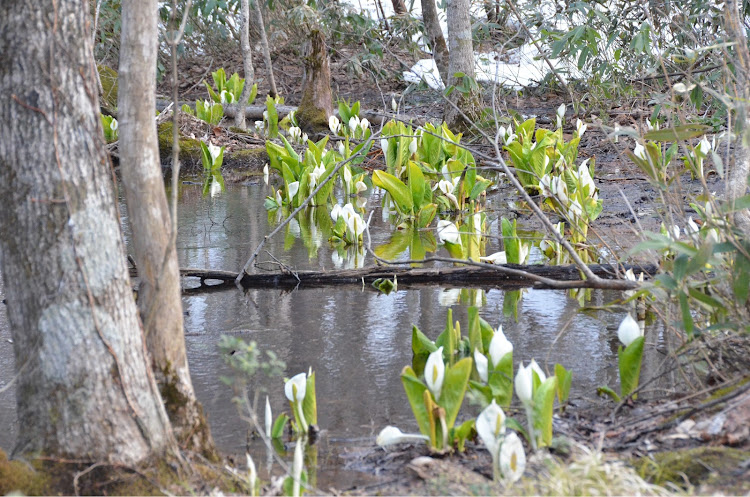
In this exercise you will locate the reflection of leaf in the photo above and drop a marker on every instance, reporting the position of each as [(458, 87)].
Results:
[(396, 246)]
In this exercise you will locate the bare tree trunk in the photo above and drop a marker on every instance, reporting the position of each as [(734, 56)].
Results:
[(317, 101), (84, 384), (399, 7), (461, 50), (159, 297), (264, 48), (434, 34), (247, 60), (737, 179)]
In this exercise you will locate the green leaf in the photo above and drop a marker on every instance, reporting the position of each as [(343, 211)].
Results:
[(500, 380), (462, 433), (677, 133), (687, 317), (416, 184), (277, 430), (629, 362), (454, 389), (398, 190), (544, 403), (415, 390), (425, 216), (564, 381), (475, 332), (605, 390), (310, 403)]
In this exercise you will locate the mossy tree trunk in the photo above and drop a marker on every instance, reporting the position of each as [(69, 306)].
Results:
[(84, 388), (159, 292), (317, 101), (462, 107), (435, 37)]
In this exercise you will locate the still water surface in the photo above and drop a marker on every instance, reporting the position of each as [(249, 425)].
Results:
[(356, 340)]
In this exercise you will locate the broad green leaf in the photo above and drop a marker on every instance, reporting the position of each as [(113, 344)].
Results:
[(277, 430), (677, 133), (310, 402), (415, 390), (420, 344), (461, 434), (399, 191), (564, 381), (454, 388), (629, 362), (417, 184), (544, 403), (500, 379)]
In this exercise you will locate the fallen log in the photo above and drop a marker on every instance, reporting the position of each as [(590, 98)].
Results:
[(464, 276), (255, 112)]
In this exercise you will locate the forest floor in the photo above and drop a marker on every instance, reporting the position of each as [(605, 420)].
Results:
[(685, 441)]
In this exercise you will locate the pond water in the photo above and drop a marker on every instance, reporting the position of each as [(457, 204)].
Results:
[(356, 340)]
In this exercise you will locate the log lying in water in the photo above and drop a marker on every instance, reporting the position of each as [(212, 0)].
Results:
[(467, 276)]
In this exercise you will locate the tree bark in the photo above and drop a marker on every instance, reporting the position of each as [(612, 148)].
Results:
[(461, 60), (159, 297), (737, 178), (399, 7), (434, 34), (247, 61), (264, 48), (317, 101), (84, 385)]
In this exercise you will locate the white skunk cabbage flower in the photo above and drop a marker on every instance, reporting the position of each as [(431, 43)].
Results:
[(482, 365), (628, 330), (434, 372), (500, 346), (490, 427), (448, 232), (296, 387), (512, 458), (293, 189), (391, 435), (334, 124), (580, 127), (640, 151)]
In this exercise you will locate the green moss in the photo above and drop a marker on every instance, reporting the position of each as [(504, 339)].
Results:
[(108, 77), (311, 118), (706, 466), (20, 476), (190, 148)]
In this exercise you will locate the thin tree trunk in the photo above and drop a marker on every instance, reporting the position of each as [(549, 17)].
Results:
[(317, 101), (399, 7), (461, 60), (159, 298), (737, 179), (85, 389), (434, 34), (264, 48), (247, 60)]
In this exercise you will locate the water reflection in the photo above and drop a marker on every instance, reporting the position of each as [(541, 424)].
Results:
[(356, 340)]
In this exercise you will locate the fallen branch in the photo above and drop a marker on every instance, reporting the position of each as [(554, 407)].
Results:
[(479, 275)]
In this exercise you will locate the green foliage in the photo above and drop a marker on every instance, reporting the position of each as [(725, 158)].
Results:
[(229, 91), (109, 124), (629, 361), (206, 110)]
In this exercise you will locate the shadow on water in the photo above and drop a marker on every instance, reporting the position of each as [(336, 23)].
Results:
[(357, 341)]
